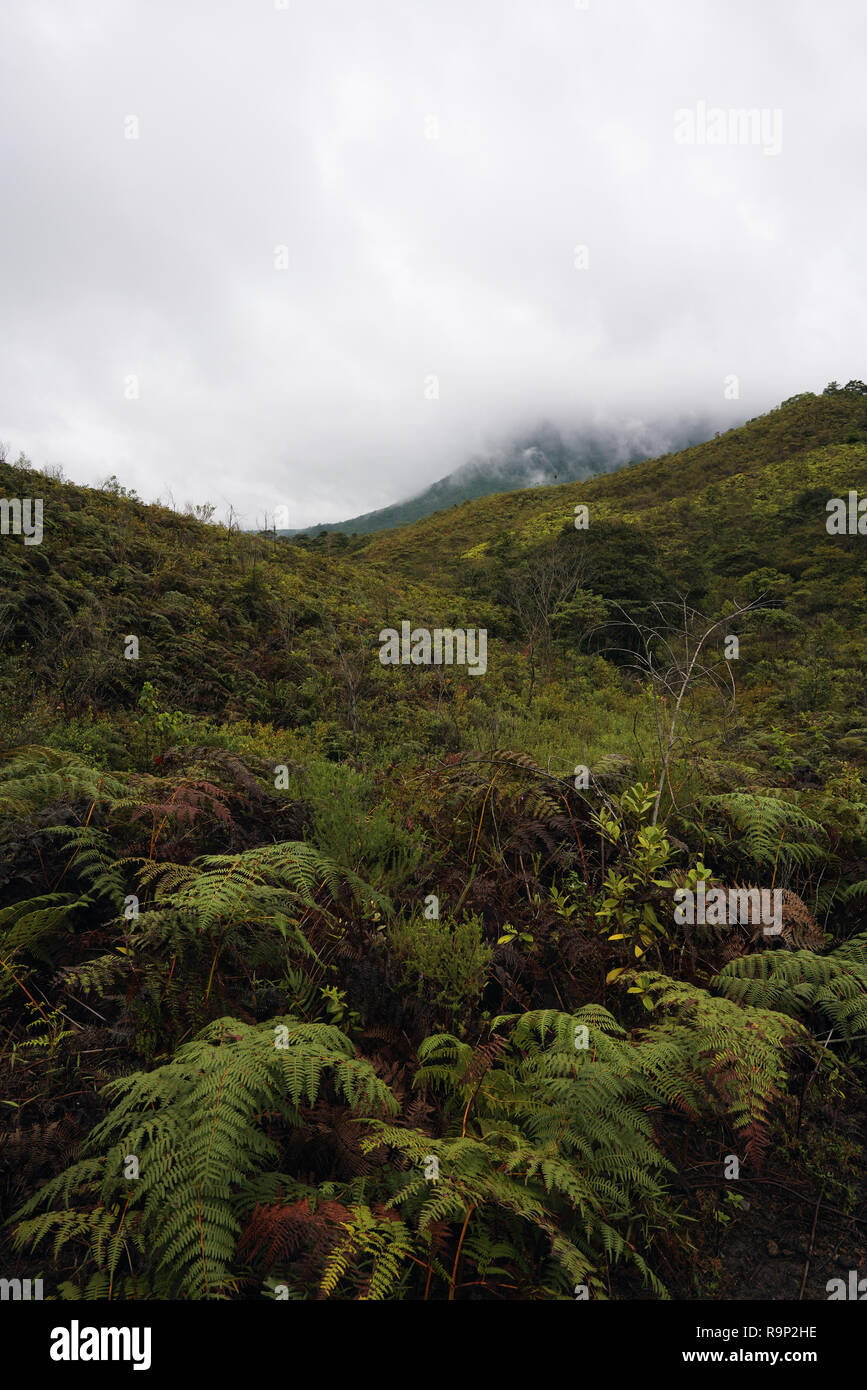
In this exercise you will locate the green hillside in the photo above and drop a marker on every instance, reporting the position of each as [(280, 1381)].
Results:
[(542, 456), (740, 479), (327, 978)]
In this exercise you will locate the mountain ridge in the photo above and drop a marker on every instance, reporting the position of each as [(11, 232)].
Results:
[(537, 458), (801, 424)]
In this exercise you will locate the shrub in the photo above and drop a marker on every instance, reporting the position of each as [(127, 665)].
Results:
[(445, 960)]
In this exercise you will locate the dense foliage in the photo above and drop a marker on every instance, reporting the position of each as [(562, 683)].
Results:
[(323, 978)]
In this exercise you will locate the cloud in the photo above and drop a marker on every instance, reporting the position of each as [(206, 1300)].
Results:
[(430, 172)]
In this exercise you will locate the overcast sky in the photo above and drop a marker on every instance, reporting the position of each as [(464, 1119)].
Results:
[(430, 170)]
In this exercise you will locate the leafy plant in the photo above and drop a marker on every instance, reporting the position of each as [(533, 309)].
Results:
[(197, 1130), (446, 960)]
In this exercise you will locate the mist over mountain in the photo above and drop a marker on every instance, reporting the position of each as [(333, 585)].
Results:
[(534, 458), (384, 810), (461, 896)]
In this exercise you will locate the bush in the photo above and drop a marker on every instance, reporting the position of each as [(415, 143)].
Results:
[(447, 961)]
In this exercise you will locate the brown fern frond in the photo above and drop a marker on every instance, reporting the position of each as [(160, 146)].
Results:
[(278, 1233)]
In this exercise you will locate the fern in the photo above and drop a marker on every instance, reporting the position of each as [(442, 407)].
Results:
[(252, 905), (801, 984), (710, 1056), (771, 830), (554, 1138), (34, 777), (92, 860), (24, 924), (196, 1127), (382, 1242), (220, 888)]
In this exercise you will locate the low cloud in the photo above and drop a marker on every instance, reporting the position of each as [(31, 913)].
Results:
[(348, 248)]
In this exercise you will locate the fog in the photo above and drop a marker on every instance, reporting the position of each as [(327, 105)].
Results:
[(317, 256)]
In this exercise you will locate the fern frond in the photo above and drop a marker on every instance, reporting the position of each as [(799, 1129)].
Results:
[(770, 828), (801, 984), (194, 1125)]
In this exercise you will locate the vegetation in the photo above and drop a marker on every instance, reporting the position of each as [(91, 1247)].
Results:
[(327, 979)]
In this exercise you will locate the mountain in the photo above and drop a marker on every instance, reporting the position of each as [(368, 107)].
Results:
[(376, 973), (531, 460), (737, 499)]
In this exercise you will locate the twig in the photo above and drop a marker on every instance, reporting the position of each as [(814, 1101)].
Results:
[(810, 1251)]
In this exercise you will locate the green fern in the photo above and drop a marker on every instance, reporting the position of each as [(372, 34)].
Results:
[(23, 925), (552, 1140), (218, 889), (93, 860), (712, 1057), (196, 1128), (382, 1243), (772, 830), (33, 777), (802, 983)]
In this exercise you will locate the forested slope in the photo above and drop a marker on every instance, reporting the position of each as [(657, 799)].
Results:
[(328, 978)]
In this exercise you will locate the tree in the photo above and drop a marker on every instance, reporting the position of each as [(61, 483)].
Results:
[(538, 588), (671, 659)]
